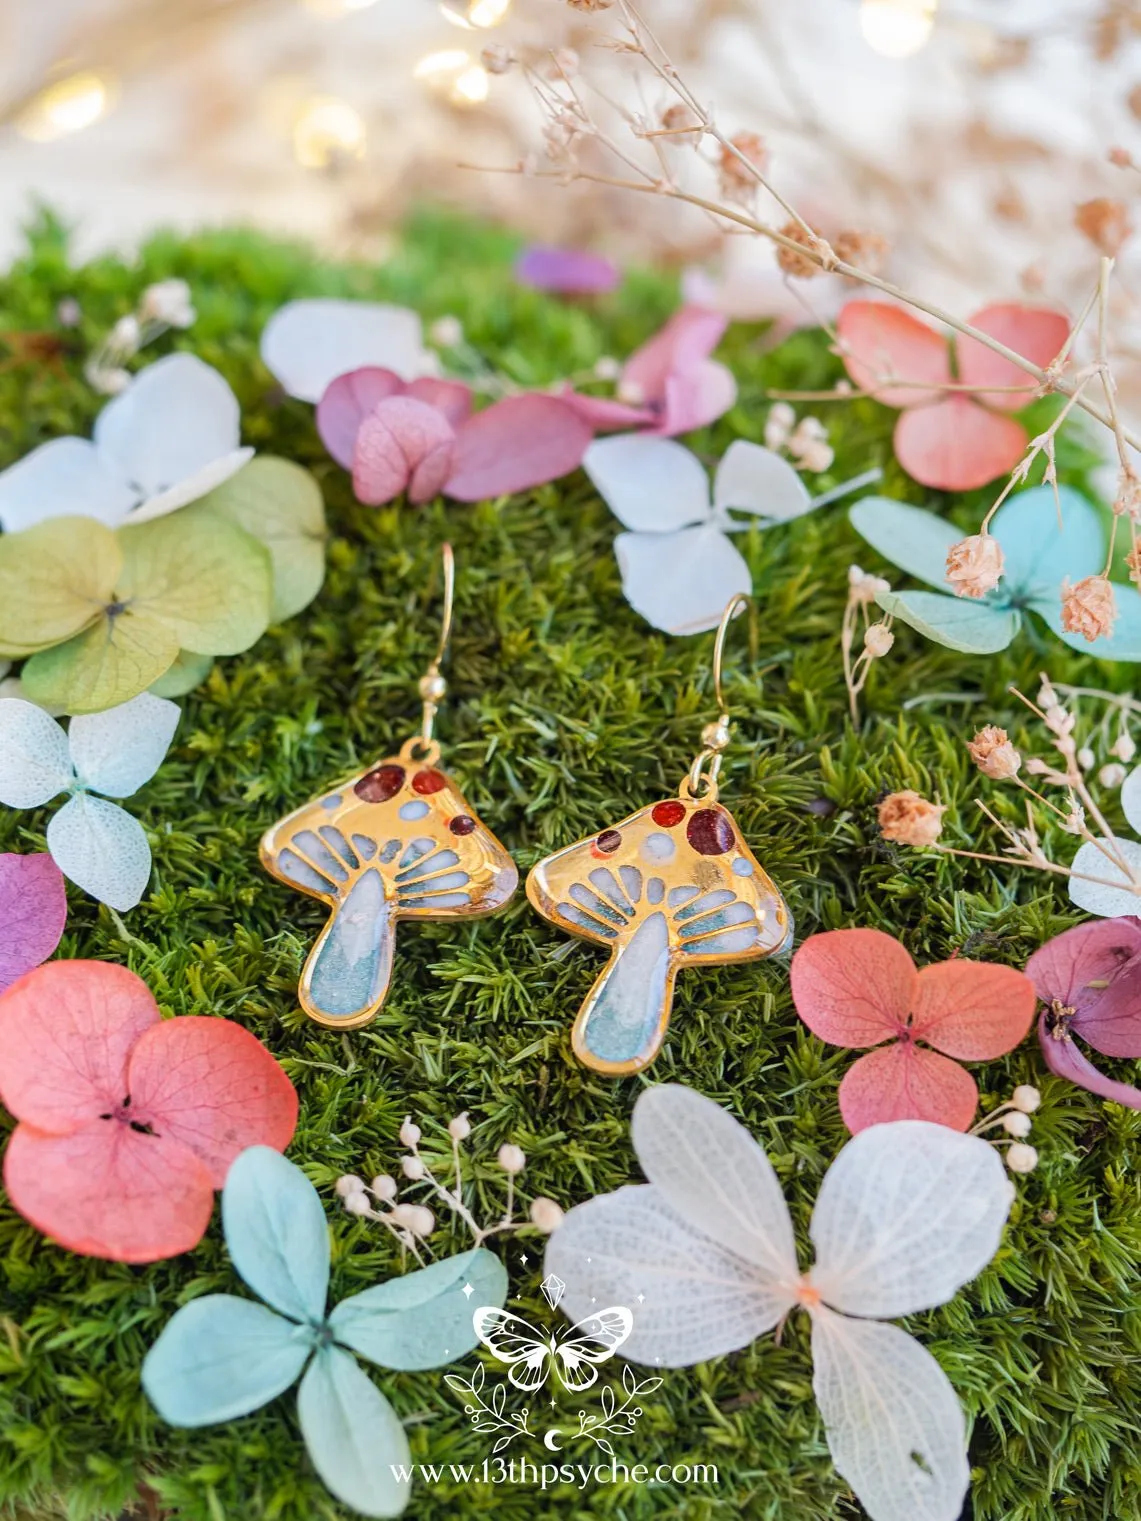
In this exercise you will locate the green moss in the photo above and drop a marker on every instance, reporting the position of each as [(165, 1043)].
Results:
[(566, 711)]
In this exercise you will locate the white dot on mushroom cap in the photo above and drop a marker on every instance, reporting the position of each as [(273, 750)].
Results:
[(742, 867), (658, 847), (413, 810)]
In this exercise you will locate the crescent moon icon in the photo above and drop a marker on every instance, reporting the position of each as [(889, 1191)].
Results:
[(549, 1441)]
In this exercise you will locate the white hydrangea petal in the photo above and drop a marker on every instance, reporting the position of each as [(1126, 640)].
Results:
[(714, 1176), (907, 1213), (116, 751), (67, 477), (307, 344), (216, 473), (102, 849), (34, 761), (753, 479), (690, 1298), (652, 485), (894, 1423), (1131, 798), (681, 582), (1101, 896), (176, 417)]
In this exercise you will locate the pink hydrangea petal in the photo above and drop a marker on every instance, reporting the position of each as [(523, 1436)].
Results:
[(346, 403), (401, 442), (972, 1010), (603, 415), (33, 912), (66, 1032), (956, 445), (688, 338), (569, 271), (108, 1191), (694, 397), (1065, 1060), (853, 987), (1035, 332), (881, 343), (904, 1082), (1104, 951), (213, 1087), (516, 444), (451, 397)]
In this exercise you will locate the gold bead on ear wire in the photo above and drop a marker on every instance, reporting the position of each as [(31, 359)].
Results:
[(672, 886), (398, 841)]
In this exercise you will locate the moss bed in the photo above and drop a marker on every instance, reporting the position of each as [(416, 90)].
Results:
[(566, 712)]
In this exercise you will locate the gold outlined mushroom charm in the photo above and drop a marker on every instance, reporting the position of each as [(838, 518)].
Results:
[(398, 841), (672, 886)]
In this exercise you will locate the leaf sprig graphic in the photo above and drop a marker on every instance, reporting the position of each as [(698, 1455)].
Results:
[(615, 1419), (488, 1418)]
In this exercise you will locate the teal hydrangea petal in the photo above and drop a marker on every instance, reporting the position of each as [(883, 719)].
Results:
[(353, 1435), (276, 1232), (1037, 553), (975, 628), (221, 1357), (915, 540), (423, 1319)]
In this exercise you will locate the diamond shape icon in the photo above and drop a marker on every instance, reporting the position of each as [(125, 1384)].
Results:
[(553, 1289)]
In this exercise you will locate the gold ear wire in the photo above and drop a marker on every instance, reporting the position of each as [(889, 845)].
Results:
[(701, 779), (432, 686)]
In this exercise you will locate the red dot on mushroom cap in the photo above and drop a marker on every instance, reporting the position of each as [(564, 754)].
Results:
[(428, 781), (379, 785), (463, 823), (710, 832), (608, 842), (668, 814)]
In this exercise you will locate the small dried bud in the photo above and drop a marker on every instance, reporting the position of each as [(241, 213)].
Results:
[(1047, 697), (1021, 1158), (413, 1168), (1016, 1124), (631, 393), (908, 819), (799, 265), (738, 183), (349, 1184), (1026, 1097), (460, 1128), (126, 334), (409, 1132), (1075, 820), (511, 1158), (1133, 561), (779, 425), (546, 1214), (447, 332), (1120, 158), (384, 1187), (878, 639), (357, 1204), (974, 565), (1112, 775), (1123, 747), (168, 302), (607, 368), (108, 381), (1085, 757), (1105, 223), (1127, 502), (1089, 608), (1059, 721), (679, 119), (498, 59), (993, 753), (865, 588), (417, 1218), (69, 313), (866, 250), (815, 457)]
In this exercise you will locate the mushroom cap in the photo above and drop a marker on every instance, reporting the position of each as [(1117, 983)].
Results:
[(684, 858), (410, 823)]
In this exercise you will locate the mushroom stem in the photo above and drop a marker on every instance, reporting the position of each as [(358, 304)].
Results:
[(624, 1017), (347, 974)]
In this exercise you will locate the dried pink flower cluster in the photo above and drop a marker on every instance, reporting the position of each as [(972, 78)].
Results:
[(1089, 608), (1105, 223), (993, 753), (737, 181), (974, 565), (798, 265), (906, 818)]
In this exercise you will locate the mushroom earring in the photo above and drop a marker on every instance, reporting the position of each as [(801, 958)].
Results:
[(398, 841), (672, 886)]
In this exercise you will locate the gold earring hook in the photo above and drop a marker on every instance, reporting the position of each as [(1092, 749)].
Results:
[(701, 778), (432, 686)]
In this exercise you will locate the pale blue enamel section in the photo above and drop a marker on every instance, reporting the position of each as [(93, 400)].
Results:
[(354, 961), (628, 1002)]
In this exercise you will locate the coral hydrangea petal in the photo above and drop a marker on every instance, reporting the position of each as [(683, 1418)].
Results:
[(345, 404), (881, 343), (515, 444), (66, 1031), (33, 912), (569, 271), (1035, 332), (853, 987), (956, 445), (904, 1082), (402, 445), (1064, 1059), (213, 1087), (972, 1010), (109, 1191), (687, 339)]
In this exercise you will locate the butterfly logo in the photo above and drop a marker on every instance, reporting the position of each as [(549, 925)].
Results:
[(531, 1353)]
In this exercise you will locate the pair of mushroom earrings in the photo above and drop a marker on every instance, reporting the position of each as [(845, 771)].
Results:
[(673, 885)]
